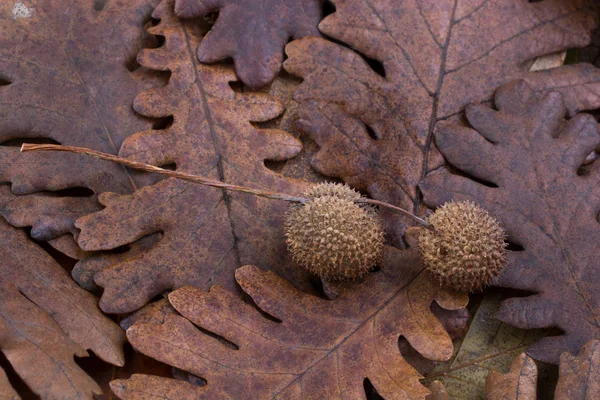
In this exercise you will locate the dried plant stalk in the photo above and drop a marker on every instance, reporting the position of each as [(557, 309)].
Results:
[(27, 147)]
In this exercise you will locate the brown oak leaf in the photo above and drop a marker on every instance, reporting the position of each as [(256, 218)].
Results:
[(298, 345), (65, 72), (519, 383), (528, 157), (46, 319), (253, 33), (579, 377), (205, 233), (6, 390), (414, 65)]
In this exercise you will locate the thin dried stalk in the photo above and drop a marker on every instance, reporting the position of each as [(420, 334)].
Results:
[(157, 170), (199, 179), (398, 209)]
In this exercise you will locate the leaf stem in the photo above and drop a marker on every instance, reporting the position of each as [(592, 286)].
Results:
[(27, 147), (398, 209)]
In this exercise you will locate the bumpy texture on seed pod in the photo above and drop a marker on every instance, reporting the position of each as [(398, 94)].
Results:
[(466, 249), (332, 236)]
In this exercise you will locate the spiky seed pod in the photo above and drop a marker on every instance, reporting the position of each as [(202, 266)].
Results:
[(332, 236), (466, 248)]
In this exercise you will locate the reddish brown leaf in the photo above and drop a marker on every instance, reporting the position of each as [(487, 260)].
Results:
[(578, 84), (206, 233), (519, 383), (529, 155), (253, 32), (579, 377), (64, 65), (154, 313), (308, 347), (424, 64), (438, 391), (46, 319), (6, 390), (85, 270)]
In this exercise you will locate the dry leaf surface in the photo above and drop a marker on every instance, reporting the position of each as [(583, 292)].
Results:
[(64, 73), (438, 391), (579, 377), (46, 319), (519, 383), (253, 33), (529, 156), (377, 107), (307, 347), (205, 233), (6, 390), (489, 344)]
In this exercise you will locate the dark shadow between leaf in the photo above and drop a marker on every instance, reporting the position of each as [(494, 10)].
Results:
[(15, 380)]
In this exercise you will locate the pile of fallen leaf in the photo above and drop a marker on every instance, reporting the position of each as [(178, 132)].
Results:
[(117, 282)]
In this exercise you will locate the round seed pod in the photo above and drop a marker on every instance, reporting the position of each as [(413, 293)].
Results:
[(466, 248), (332, 236)]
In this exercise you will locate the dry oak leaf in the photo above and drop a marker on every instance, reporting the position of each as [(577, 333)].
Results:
[(429, 60), (489, 344), (252, 32), (206, 233), (46, 319), (7, 392), (64, 77), (519, 383), (579, 377), (529, 156), (306, 347)]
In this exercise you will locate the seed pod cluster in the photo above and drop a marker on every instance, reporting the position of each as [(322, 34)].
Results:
[(466, 248), (332, 236)]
